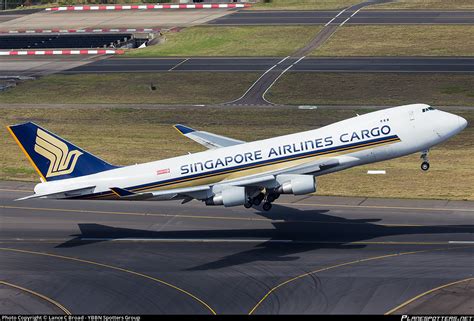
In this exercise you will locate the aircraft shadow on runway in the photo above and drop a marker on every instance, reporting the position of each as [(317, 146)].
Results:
[(298, 230)]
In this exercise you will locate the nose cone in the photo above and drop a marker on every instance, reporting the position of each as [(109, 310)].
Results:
[(462, 123), (450, 124)]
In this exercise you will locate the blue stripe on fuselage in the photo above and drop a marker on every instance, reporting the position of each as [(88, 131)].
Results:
[(254, 164)]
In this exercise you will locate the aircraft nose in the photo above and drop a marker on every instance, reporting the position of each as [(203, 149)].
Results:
[(462, 123), (450, 124)]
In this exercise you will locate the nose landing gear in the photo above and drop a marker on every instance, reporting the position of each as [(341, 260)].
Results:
[(426, 164)]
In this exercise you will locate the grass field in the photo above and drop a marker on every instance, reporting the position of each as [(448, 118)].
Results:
[(373, 89), (146, 135), (171, 88), (303, 4), (427, 4), (401, 40), (231, 41)]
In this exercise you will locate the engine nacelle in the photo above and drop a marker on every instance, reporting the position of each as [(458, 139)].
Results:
[(231, 196), (296, 184)]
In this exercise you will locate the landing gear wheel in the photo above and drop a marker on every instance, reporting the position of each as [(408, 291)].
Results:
[(425, 166), (424, 156), (257, 200), (248, 205), (267, 206), (272, 197)]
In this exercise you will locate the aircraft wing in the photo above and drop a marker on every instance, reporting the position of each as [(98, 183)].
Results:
[(208, 140), (187, 193)]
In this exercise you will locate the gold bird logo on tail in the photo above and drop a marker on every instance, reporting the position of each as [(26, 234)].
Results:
[(62, 161)]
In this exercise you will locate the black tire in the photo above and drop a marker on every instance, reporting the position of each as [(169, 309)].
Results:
[(425, 166), (267, 206), (270, 198), (248, 205)]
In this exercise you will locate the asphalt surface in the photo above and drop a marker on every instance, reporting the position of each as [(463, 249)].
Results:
[(113, 19), (255, 94), (32, 66), (308, 64), (246, 17), (352, 255)]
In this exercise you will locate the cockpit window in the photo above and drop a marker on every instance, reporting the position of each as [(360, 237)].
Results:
[(428, 109)]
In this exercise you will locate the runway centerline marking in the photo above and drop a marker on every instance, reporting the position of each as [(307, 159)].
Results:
[(404, 304), (183, 240), (383, 207), (208, 217), (272, 290), (113, 268), (39, 295)]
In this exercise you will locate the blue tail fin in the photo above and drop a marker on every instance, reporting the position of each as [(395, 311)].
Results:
[(53, 157)]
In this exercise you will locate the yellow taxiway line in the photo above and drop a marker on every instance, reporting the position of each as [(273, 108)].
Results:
[(272, 290), (41, 296), (404, 304), (114, 268)]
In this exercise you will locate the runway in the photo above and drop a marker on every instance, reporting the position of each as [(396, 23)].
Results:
[(246, 17), (307, 255), (308, 64), (32, 66)]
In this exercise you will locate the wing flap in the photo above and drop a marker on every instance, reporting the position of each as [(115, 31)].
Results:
[(175, 193)]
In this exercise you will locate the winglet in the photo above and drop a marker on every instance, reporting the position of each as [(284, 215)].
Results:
[(121, 192), (183, 129)]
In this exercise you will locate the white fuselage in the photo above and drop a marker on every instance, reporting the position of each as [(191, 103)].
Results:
[(368, 138)]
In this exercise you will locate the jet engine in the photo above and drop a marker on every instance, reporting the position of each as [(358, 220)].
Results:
[(231, 196), (296, 184)]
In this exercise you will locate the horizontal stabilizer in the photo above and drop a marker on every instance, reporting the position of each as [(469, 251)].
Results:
[(62, 193)]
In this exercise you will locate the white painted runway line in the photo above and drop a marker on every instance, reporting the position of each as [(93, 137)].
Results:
[(335, 17), (349, 17)]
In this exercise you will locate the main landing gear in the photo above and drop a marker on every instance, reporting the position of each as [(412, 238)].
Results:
[(267, 206), (426, 164), (267, 200)]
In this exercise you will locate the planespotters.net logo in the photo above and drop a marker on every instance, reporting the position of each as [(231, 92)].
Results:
[(437, 318)]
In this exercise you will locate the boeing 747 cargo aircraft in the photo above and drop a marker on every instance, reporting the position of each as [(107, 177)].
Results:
[(234, 172)]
